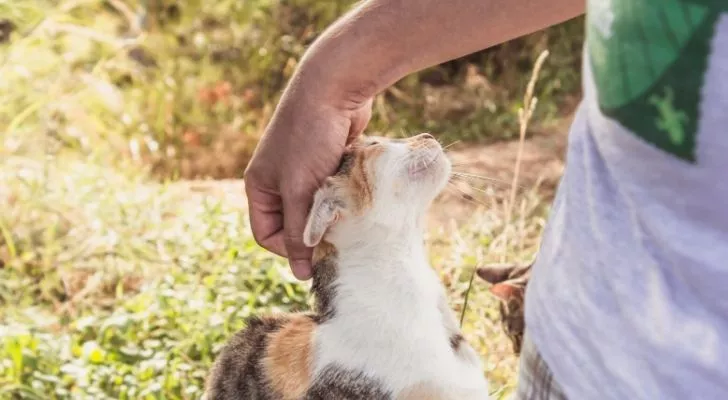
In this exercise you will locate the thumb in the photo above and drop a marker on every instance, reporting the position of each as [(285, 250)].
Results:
[(295, 210), (359, 121)]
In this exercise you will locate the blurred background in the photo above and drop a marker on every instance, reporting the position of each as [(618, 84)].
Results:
[(126, 259)]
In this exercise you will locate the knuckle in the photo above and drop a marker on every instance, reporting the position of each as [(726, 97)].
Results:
[(294, 241), (300, 197), (299, 188), (250, 175)]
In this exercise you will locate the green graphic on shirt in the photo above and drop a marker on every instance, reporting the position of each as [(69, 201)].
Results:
[(670, 119), (648, 59)]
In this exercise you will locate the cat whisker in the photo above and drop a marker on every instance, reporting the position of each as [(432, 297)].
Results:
[(451, 144), (489, 193), (467, 196)]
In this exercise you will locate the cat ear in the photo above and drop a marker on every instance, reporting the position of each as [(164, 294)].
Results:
[(325, 212), (504, 290), (495, 273)]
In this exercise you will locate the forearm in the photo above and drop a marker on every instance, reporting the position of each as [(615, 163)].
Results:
[(383, 40)]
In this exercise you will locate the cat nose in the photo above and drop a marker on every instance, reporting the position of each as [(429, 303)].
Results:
[(422, 141)]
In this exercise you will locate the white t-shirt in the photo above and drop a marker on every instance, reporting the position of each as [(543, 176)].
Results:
[(629, 294)]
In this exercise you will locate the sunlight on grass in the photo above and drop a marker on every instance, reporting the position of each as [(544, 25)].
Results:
[(120, 281), (121, 288)]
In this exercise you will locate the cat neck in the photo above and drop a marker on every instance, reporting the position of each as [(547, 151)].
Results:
[(376, 269)]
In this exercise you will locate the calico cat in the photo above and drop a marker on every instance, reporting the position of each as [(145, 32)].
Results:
[(381, 327), (509, 286)]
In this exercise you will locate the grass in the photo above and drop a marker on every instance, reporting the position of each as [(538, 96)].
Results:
[(116, 287), (119, 280)]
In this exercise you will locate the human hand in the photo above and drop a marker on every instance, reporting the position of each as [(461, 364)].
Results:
[(301, 146)]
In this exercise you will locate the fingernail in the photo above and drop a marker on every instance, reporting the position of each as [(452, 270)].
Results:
[(301, 269)]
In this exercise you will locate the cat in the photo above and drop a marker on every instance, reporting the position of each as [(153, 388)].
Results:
[(509, 286), (381, 327)]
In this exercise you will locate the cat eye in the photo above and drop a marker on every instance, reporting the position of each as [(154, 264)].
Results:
[(374, 143)]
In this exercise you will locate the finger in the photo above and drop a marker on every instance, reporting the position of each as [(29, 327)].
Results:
[(268, 231), (359, 121), (266, 220), (295, 209)]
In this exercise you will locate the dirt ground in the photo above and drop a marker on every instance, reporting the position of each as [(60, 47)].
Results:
[(490, 169)]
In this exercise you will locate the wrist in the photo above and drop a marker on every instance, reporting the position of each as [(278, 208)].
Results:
[(352, 61), (333, 84)]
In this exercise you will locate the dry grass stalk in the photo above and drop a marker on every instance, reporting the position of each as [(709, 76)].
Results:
[(524, 117)]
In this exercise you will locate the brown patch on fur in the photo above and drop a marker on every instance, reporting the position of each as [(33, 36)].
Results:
[(359, 184), (289, 357), (322, 251), (423, 391), (347, 162), (455, 341), (353, 172), (505, 291)]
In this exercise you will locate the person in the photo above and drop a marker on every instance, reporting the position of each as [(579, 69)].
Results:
[(627, 298)]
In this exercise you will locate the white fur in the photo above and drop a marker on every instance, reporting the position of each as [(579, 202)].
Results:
[(391, 315)]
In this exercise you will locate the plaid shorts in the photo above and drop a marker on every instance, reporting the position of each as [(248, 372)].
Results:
[(535, 381)]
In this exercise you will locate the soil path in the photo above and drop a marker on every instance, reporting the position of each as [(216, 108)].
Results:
[(490, 169)]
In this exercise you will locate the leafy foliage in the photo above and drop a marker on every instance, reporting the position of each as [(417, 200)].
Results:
[(117, 289)]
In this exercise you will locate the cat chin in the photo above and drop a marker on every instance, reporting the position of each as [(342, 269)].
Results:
[(432, 177), (424, 168)]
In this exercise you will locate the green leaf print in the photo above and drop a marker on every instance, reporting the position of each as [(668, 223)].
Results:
[(648, 59)]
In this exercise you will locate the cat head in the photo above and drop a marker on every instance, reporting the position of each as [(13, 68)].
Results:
[(383, 183), (509, 286)]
